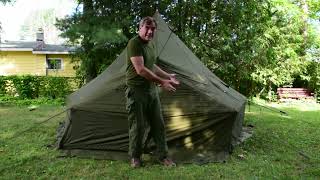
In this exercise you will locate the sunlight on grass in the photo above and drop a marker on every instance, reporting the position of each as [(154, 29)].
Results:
[(4, 110), (252, 113), (301, 106), (287, 117)]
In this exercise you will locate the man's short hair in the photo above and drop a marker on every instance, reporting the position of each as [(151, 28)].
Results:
[(147, 20)]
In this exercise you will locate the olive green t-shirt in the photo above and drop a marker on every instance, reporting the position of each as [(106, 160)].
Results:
[(137, 47)]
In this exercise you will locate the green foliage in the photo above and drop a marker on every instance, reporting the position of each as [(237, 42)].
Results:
[(2, 86), (313, 70), (11, 100), (254, 46), (98, 32), (6, 1), (32, 87), (27, 87), (314, 6), (285, 50), (55, 87)]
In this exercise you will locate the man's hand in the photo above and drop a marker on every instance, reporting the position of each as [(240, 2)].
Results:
[(173, 79), (167, 85)]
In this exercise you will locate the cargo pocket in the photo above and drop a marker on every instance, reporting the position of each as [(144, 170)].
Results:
[(130, 99)]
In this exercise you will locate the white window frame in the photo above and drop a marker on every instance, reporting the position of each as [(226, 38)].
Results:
[(61, 60)]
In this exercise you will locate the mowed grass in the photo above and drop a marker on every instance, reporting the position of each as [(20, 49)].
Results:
[(282, 147)]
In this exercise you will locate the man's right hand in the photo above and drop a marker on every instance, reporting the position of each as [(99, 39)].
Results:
[(174, 80), (166, 84)]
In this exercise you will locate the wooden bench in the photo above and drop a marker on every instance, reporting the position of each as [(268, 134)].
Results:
[(294, 93)]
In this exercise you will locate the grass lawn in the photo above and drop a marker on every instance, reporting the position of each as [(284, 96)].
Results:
[(282, 147)]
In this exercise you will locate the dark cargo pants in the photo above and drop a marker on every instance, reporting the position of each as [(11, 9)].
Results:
[(144, 111)]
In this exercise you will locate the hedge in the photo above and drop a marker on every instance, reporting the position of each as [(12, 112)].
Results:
[(32, 87)]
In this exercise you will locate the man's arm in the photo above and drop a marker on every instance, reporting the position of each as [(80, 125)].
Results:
[(141, 70), (158, 71)]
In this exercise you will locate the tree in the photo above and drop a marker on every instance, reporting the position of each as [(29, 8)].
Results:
[(254, 46), (226, 35), (6, 1), (3, 2), (98, 32), (0, 31), (222, 33), (44, 19)]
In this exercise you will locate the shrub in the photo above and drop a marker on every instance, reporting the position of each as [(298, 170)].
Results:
[(55, 87), (32, 87), (27, 87), (2, 85)]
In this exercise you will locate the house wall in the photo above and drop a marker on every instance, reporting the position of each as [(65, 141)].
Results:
[(23, 63)]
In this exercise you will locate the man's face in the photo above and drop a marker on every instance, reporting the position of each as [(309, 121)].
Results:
[(147, 31)]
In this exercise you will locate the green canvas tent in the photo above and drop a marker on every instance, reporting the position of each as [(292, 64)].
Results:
[(203, 117)]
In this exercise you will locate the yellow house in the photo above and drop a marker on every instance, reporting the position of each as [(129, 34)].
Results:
[(35, 58)]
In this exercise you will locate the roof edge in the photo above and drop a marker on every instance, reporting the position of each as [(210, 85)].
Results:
[(51, 52), (16, 49)]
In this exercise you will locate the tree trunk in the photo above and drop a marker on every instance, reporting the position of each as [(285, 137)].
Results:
[(305, 9), (262, 90), (270, 91), (90, 69)]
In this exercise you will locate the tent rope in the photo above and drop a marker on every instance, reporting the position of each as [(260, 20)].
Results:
[(35, 125), (165, 43), (294, 147), (271, 109)]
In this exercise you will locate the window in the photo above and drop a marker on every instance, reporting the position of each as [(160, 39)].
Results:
[(54, 63)]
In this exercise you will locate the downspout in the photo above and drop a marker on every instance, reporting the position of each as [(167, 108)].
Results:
[(46, 65)]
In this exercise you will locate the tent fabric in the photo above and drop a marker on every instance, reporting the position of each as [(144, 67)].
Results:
[(203, 117)]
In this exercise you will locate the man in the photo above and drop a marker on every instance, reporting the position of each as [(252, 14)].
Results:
[(143, 104)]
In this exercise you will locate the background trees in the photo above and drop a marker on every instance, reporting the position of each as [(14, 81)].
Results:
[(254, 46), (3, 2)]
